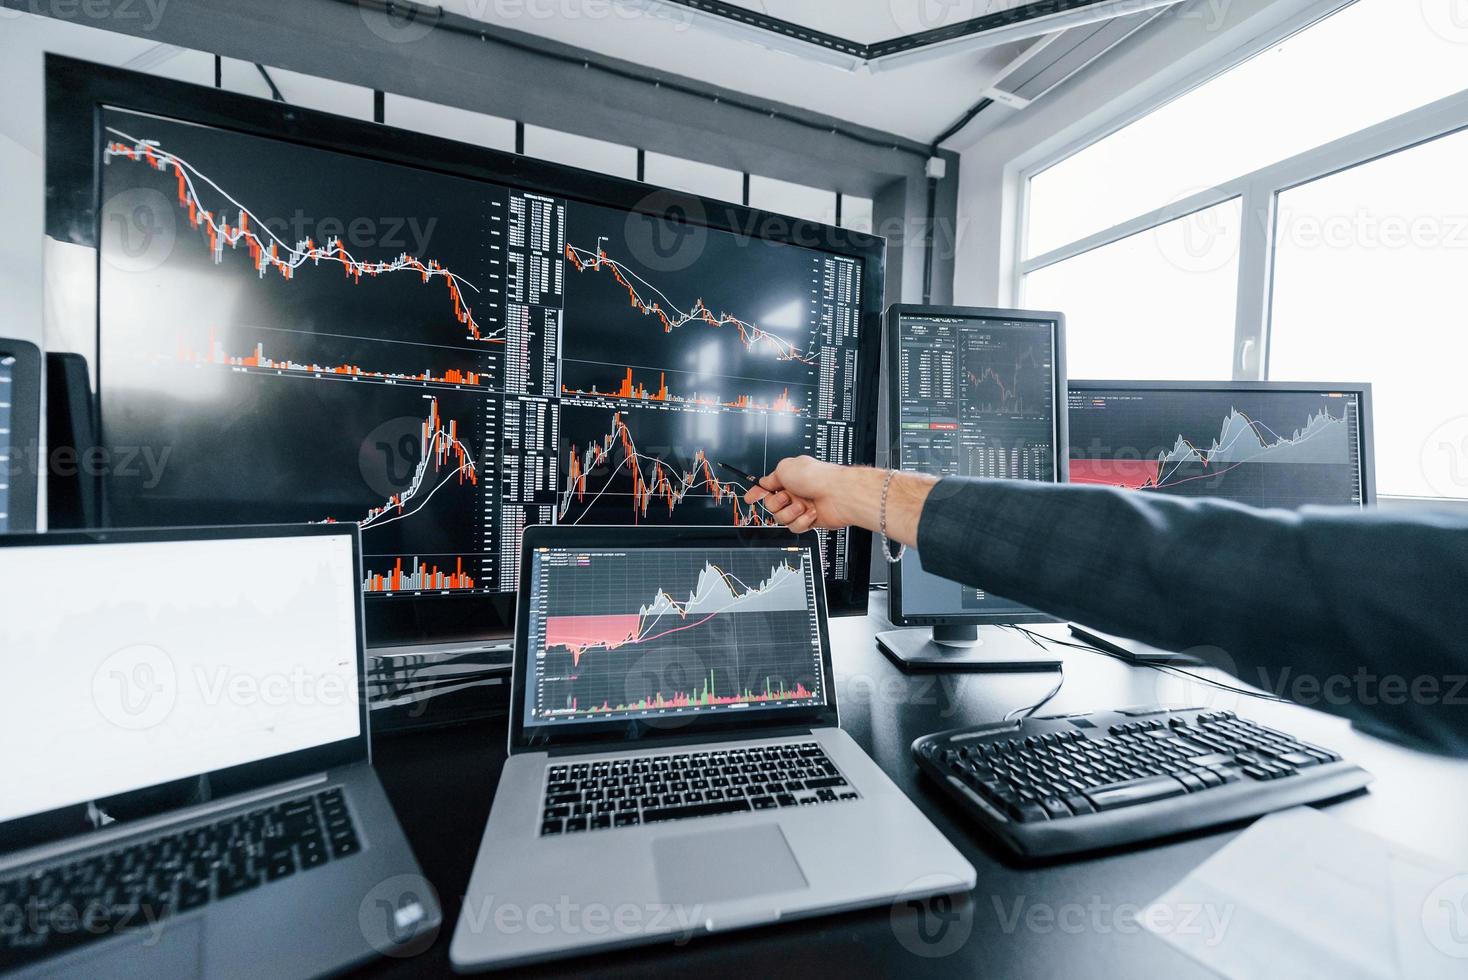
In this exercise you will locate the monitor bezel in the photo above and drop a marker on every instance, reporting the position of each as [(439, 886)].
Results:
[(895, 314), (25, 434), (53, 825), (77, 91), (1361, 389), (680, 728)]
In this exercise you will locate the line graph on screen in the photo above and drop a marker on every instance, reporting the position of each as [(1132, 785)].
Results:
[(267, 250), (718, 593), (443, 460), (648, 300), (1323, 439), (614, 459)]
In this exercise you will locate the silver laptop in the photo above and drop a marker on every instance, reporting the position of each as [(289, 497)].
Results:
[(186, 789), (676, 761)]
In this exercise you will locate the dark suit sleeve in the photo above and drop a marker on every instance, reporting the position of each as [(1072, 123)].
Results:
[(1357, 613)]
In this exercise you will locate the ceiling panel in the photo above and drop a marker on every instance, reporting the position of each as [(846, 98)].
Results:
[(916, 100)]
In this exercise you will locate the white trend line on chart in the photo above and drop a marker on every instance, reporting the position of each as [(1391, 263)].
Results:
[(267, 252), (668, 312)]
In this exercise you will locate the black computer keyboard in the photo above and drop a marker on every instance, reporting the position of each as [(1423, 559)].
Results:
[(1065, 784), (56, 906), (626, 792)]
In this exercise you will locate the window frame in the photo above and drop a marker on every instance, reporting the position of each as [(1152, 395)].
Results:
[(1259, 191)]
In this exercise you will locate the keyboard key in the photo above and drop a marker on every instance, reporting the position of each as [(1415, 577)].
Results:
[(1079, 804), (1193, 783), (1026, 812), (1055, 808), (1133, 792), (550, 827), (235, 883), (824, 782), (661, 814)]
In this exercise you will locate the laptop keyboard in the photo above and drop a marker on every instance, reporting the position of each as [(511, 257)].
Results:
[(54, 908), (627, 792)]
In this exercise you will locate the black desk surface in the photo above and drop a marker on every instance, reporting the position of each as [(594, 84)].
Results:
[(1068, 919)]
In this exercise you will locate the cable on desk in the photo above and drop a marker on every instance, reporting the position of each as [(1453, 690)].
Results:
[(1033, 638), (1031, 709), (1169, 668)]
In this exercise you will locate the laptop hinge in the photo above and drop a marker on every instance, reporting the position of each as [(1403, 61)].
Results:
[(153, 824)]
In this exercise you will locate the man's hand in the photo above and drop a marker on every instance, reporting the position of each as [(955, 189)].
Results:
[(804, 493)]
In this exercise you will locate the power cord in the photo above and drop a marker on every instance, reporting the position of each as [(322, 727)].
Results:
[(1031, 709)]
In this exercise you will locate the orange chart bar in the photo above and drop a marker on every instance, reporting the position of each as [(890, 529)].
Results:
[(632, 389), (423, 578)]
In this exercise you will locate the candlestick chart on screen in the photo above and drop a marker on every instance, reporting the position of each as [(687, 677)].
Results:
[(663, 631), (315, 335)]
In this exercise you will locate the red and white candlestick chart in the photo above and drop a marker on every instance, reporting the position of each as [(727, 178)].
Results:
[(267, 250), (444, 459), (652, 479), (648, 300)]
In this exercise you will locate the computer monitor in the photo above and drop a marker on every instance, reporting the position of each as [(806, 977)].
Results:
[(971, 393), (309, 318), (1261, 443), (20, 413)]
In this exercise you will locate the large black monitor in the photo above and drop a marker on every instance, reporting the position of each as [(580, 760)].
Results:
[(1261, 443), (20, 412), (972, 393), (308, 318)]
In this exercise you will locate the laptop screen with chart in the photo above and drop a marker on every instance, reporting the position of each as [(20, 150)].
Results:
[(668, 634)]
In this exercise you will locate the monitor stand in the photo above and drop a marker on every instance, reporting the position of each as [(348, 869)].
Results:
[(974, 648)]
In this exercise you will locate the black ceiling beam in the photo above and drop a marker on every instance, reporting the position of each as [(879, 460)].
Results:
[(908, 42)]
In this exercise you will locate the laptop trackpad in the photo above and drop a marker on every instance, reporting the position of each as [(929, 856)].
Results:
[(724, 865)]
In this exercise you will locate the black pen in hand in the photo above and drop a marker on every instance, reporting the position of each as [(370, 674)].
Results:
[(749, 478)]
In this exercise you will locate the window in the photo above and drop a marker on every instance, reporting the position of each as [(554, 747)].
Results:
[(1313, 87), (1326, 236), (596, 155), (1157, 305), (310, 91), (180, 64), (857, 213), (449, 122), (795, 200), (1370, 284), (692, 177)]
